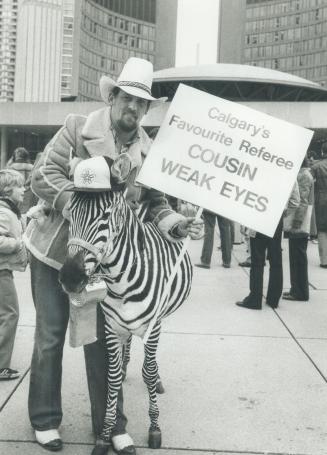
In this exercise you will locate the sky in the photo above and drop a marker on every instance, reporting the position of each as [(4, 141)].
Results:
[(197, 28)]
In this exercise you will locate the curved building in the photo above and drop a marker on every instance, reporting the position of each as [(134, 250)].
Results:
[(276, 93), (111, 31), (238, 83)]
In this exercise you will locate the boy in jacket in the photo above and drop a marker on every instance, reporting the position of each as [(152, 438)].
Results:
[(12, 257)]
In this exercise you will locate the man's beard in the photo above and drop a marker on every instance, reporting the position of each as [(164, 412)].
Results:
[(127, 127)]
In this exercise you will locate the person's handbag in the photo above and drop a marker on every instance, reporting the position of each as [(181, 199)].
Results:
[(83, 313)]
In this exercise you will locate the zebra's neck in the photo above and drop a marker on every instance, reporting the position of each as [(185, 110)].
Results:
[(128, 245)]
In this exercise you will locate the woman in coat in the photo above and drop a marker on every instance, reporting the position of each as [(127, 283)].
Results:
[(297, 230), (319, 172)]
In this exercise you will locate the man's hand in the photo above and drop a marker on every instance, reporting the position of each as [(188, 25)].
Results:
[(189, 226)]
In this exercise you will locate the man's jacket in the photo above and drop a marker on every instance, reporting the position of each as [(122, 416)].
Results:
[(84, 137)]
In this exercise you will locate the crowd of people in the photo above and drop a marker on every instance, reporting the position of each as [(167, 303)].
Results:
[(110, 131), (304, 219)]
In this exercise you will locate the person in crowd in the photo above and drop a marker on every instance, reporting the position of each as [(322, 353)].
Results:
[(246, 235), (21, 162), (297, 230), (225, 230), (13, 256), (260, 245), (319, 172), (109, 131)]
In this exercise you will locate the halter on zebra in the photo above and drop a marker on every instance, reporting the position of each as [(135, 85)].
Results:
[(135, 261)]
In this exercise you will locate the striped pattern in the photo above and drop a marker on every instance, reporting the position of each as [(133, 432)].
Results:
[(136, 262)]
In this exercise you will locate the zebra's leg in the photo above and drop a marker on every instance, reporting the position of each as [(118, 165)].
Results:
[(114, 347), (126, 356), (150, 376)]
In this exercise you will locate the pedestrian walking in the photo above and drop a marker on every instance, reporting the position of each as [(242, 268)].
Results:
[(297, 230), (225, 230), (110, 131), (261, 245), (319, 172), (12, 257)]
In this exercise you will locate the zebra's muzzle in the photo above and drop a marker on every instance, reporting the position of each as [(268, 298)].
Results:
[(72, 275)]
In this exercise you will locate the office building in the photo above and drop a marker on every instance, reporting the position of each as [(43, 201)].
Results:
[(44, 59), (8, 33), (286, 35)]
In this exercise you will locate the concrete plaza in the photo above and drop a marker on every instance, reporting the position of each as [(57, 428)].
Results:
[(237, 381)]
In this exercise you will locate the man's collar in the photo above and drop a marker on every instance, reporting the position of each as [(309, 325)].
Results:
[(134, 138)]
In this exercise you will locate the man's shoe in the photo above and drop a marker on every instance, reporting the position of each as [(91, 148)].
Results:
[(245, 264), (245, 304), (227, 266), (100, 450), (272, 305), (123, 444), (202, 266), (288, 296), (7, 374), (323, 266), (49, 440)]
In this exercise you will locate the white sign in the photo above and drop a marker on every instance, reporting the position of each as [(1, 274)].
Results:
[(227, 158)]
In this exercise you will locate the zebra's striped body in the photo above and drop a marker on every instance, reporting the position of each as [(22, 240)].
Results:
[(135, 262)]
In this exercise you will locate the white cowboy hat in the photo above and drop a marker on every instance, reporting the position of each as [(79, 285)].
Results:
[(135, 79)]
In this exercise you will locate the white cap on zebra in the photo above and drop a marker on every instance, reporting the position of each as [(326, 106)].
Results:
[(92, 174)]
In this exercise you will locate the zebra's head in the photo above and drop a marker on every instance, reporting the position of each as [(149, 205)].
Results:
[(96, 218)]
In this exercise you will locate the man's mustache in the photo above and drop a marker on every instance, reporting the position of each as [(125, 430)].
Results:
[(131, 112)]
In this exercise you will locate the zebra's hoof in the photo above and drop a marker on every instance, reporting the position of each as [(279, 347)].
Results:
[(100, 450), (154, 441), (160, 388)]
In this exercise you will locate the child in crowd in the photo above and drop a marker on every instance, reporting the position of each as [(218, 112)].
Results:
[(13, 256)]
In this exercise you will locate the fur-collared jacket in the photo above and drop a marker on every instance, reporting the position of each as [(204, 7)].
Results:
[(84, 137)]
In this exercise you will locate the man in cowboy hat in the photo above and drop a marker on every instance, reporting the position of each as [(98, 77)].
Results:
[(110, 131)]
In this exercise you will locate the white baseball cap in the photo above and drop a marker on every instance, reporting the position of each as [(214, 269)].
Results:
[(92, 174)]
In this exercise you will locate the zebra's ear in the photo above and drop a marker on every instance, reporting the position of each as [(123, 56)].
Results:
[(120, 170)]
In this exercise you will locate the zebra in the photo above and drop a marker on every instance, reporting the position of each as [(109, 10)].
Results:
[(107, 238)]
